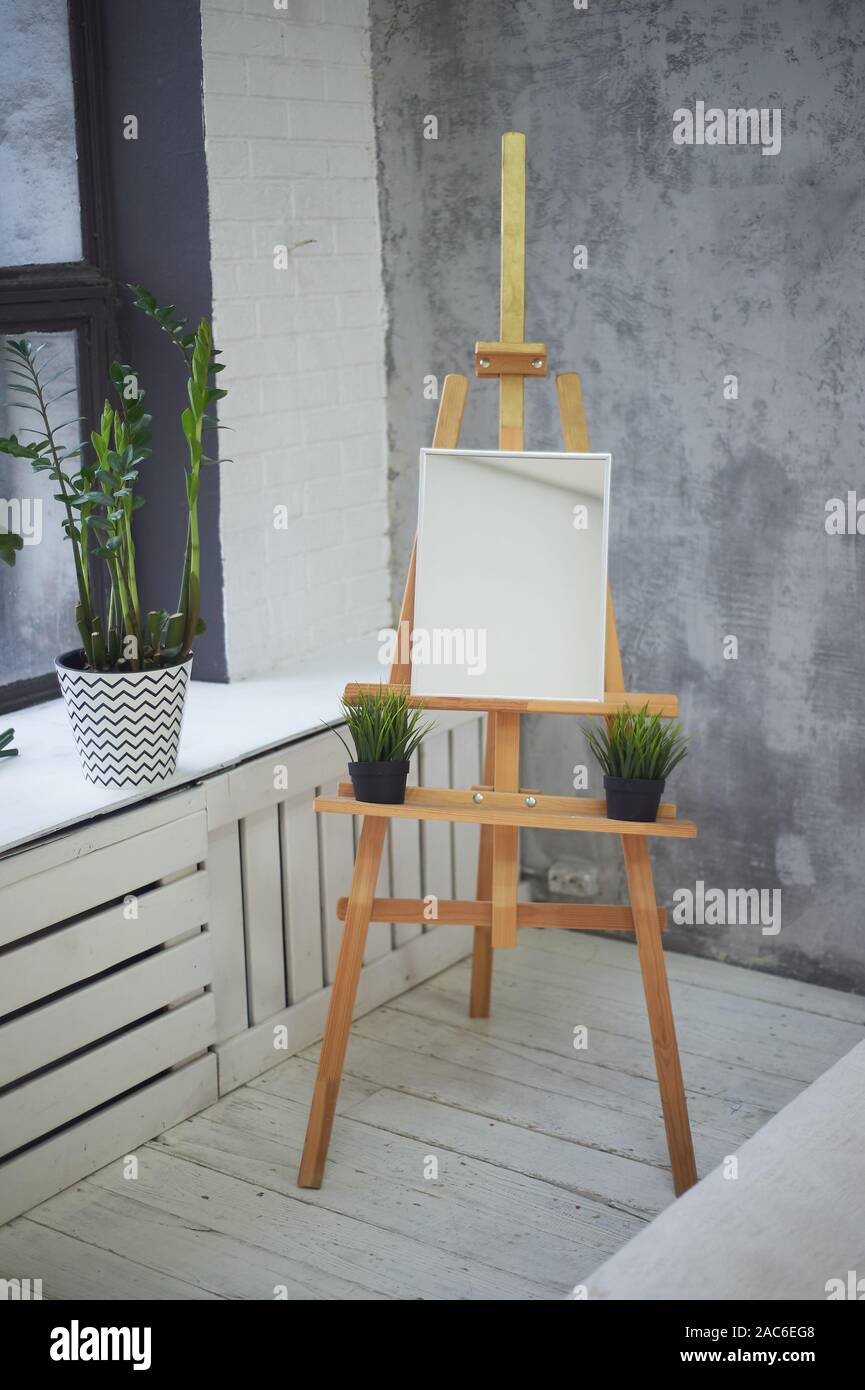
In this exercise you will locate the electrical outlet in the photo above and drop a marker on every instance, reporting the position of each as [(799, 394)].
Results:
[(570, 879)]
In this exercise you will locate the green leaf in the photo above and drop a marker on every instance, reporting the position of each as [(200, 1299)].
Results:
[(10, 544), (6, 737), (86, 497), (383, 726), (17, 450), (636, 745)]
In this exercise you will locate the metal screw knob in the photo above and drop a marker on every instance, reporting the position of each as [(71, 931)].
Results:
[(531, 801), (537, 363), (483, 361), (478, 796)]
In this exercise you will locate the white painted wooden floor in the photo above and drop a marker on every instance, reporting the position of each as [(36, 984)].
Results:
[(548, 1158)]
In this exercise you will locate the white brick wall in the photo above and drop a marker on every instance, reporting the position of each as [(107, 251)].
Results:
[(290, 153)]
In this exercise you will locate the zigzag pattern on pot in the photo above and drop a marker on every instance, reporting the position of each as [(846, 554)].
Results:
[(90, 705), (101, 747), (126, 732), (140, 780)]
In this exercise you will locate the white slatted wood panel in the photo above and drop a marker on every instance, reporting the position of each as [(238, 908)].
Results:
[(284, 774), (42, 1105), (67, 889), (336, 857), (56, 1163), (262, 913), (405, 854), (95, 943), (466, 767), (436, 836), (379, 937), (301, 899), (56, 1029), (225, 928), (101, 833)]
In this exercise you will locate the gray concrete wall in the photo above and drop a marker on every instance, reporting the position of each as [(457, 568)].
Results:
[(703, 261)]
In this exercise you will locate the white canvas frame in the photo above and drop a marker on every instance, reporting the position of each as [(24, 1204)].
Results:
[(519, 567)]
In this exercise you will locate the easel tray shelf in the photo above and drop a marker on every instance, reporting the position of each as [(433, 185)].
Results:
[(508, 808)]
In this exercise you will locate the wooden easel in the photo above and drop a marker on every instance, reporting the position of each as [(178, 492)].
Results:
[(499, 806)]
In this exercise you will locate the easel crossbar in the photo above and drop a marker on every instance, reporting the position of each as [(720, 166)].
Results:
[(612, 703), (479, 913)]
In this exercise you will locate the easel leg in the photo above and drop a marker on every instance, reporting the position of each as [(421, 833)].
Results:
[(342, 1000), (659, 1008), (482, 954), (506, 870)]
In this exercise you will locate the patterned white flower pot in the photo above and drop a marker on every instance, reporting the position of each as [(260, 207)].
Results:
[(126, 723)]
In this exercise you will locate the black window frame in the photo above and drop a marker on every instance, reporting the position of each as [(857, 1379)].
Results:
[(79, 296)]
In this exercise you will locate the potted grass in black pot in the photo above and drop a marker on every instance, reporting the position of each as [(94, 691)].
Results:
[(637, 751), (385, 731)]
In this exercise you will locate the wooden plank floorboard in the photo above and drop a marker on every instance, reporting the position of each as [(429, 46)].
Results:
[(620, 1054), (173, 1232), (640, 1188), (71, 1268), (751, 1018), (567, 1107), (549, 1158), (565, 1074), (708, 974), (377, 1176), (618, 1032), (777, 1045), (273, 1240)]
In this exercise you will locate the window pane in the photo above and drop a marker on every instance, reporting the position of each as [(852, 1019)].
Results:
[(39, 203), (37, 596)]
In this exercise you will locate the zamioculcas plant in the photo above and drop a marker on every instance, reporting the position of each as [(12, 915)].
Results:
[(385, 731), (10, 544), (200, 356), (97, 488), (637, 752)]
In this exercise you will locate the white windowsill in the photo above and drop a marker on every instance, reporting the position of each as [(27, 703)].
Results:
[(43, 790)]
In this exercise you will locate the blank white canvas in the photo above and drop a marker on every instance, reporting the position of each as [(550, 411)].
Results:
[(502, 567)]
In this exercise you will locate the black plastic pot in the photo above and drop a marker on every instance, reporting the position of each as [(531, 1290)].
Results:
[(633, 798), (381, 782)]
